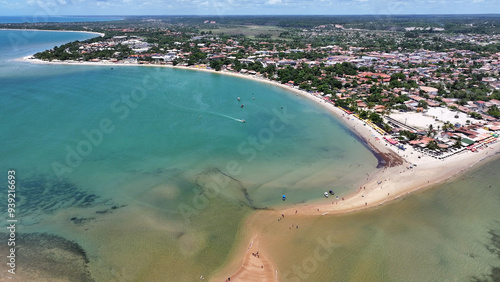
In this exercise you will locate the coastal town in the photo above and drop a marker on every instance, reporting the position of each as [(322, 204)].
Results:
[(438, 100)]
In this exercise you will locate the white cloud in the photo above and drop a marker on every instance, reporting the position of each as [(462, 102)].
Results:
[(4, 5), (274, 2), (234, 7)]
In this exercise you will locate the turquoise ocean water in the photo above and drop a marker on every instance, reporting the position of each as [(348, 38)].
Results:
[(101, 151), (143, 173)]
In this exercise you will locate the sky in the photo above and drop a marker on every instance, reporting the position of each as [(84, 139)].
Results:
[(38, 8)]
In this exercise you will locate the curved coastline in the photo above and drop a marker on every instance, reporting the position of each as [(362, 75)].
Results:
[(392, 179), (382, 160)]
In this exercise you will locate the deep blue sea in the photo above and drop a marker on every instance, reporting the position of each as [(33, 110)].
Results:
[(130, 173), (42, 18)]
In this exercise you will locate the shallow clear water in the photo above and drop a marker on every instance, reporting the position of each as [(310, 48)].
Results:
[(143, 166)]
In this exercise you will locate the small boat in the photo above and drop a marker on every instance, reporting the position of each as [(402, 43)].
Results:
[(239, 98), (243, 121), (331, 192), (284, 197), (326, 194), (242, 105)]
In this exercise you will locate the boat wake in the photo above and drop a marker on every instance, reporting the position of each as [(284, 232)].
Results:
[(203, 111), (225, 116)]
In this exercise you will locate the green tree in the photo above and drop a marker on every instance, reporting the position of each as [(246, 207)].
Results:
[(408, 134), (432, 145), (363, 114), (216, 65), (376, 118), (458, 143), (431, 132), (448, 126), (494, 111), (475, 115), (423, 104)]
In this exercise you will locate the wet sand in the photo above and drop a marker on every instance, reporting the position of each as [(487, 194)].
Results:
[(370, 195)]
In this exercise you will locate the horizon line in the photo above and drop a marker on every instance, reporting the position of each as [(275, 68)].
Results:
[(264, 15)]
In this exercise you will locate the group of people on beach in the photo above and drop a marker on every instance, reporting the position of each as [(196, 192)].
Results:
[(290, 227)]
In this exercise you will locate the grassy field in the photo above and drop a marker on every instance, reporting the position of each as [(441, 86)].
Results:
[(252, 31)]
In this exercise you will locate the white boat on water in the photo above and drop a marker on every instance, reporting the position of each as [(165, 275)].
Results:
[(326, 194)]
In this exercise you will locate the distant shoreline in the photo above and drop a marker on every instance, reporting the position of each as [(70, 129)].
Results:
[(31, 29)]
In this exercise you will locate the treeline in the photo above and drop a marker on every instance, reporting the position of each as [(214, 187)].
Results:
[(479, 24), (319, 78), (71, 51)]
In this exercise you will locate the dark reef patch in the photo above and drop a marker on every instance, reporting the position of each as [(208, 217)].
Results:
[(215, 177), (494, 248), (42, 194), (42, 256), (82, 220)]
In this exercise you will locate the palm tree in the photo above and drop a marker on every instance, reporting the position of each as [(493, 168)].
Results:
[(445, 126), (458, 144), (387, 127), (431, 132), (451, 127), (432, 145)]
